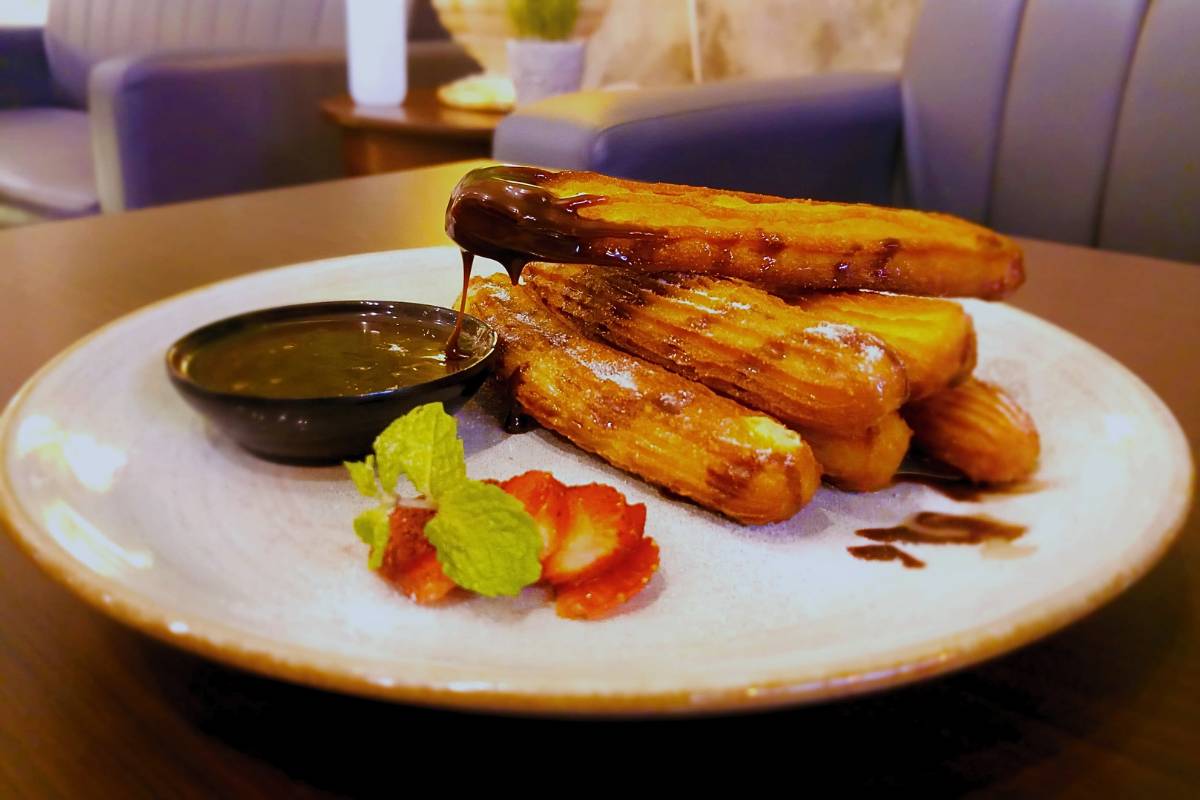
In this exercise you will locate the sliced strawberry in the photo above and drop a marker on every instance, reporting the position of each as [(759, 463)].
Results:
[(424, 581), (410, 561), (597, 525), (596, 596), (544, 498)]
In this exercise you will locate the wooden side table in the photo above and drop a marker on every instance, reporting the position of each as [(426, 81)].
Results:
[(418, 133)]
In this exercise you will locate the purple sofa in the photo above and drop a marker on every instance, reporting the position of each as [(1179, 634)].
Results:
[(1070, 120), (121, 104)]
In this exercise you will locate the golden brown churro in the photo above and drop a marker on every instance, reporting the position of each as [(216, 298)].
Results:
[(735, 339), (864, 460), (977, 428), (642, 418), (520, 214), (934, 339)]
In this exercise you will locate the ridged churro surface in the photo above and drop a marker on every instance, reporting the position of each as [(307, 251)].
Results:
[(934, 339), (862, 460), (978, 428), (520, 214), (734, 338), (642, 418)]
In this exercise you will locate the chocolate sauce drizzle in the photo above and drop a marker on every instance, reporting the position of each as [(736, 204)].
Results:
[(507, 214), (885, 552), (452, 348), (951, 483), (931, 527)]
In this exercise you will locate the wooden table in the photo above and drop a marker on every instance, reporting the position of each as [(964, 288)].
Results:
[(1108, 707), (420, 132)]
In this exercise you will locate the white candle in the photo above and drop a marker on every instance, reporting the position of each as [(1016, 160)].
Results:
[(376, 51)]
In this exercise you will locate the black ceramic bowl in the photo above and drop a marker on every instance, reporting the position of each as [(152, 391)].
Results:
[(323, 430)]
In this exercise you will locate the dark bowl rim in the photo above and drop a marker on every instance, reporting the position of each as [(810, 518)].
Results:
[(478, 361)]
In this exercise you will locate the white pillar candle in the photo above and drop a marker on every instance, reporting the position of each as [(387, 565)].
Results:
[(376, 51)]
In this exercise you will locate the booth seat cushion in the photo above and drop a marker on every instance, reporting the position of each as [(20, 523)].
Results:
[(46, 161)]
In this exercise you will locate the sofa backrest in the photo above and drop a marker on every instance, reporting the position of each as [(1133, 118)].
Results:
[(81, 33), (1061, 119)]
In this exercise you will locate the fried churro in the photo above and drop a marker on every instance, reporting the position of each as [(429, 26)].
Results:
[(977, 428), (735, 339), (862, 460), (641, 418), (934, 339), (520, 214)]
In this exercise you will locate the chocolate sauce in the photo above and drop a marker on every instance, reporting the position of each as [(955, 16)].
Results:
[(505, 213), (519, 422), (885, 552), (953, 484), (930, 527), (452, 350)]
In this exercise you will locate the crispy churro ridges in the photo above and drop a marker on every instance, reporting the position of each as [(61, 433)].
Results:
[(800, 244), (934, 339), (642, 418), (862, 460), (734, 338), (521, 214), (978, 428)]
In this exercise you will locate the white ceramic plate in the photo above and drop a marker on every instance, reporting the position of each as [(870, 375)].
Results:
[(125, 494)]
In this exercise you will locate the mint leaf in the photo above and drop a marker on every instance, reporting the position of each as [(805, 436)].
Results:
[(485, 540), (424, 445), (373, 528), (363, 475)]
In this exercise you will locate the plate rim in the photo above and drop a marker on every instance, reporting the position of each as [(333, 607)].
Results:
[(263, 656)]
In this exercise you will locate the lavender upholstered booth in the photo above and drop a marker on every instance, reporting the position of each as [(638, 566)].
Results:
[(120, 104), (1062, 119)]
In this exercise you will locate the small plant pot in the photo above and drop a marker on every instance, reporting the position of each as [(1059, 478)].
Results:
[(543, 69)]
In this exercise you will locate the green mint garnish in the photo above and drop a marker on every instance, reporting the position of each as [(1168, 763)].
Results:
[(485, 540)]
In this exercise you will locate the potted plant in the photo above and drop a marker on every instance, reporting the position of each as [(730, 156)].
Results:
[(543, 60)]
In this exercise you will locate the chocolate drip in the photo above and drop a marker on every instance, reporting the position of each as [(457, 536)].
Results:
[(507, 214), (930, 527), (452, 349), (953, 484), (517, 421), (885, 552)]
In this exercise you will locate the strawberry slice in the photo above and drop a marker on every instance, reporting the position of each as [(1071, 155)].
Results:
[(410, 561), (424, 581), (598, 595), (544, 497), (597, 525)]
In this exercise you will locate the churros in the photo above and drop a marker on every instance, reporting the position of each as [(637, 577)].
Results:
[(862, 460), (736, 348), (521, 214), (934, 339), (735, 339), (977, 428), (642, 418)]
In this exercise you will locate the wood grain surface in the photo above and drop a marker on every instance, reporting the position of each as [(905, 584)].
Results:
[(419, 132), (1109, 707)]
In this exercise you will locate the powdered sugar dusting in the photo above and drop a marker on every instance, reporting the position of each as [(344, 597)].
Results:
[(832, 331), (608, 371), (873, 353)]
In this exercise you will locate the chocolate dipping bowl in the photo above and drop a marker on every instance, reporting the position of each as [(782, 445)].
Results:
[(327, 429)]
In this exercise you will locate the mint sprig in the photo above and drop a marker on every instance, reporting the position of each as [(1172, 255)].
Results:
[(485, 540)]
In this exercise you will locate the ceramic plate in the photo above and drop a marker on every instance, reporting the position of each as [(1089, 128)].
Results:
[(126, 495)]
